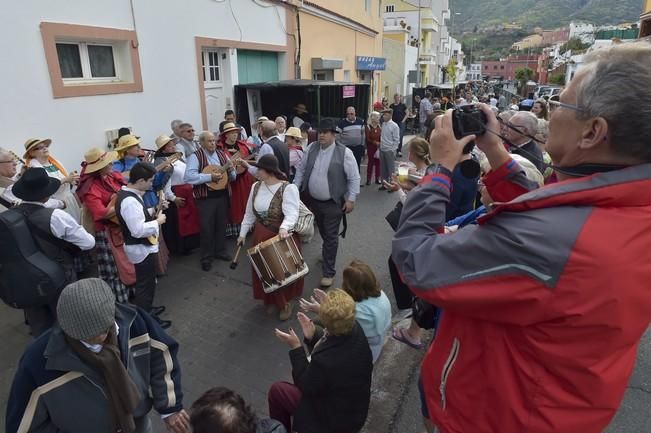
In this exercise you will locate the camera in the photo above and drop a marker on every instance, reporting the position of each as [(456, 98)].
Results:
[(468, 120)]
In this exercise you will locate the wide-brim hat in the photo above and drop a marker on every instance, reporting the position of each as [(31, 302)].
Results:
[(33, 142), (35, 185), (269, 163), (300, 108), (230, 127), (293, 132), (327, 125), (162, 140), (127, 141), (96, 159)]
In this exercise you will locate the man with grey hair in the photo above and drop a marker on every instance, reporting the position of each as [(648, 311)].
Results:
[(186, 144), (212, 200), (547, 299), (101, 369), (523, 126), (351, 133), (8, 168), (271, 143), (176, 130)]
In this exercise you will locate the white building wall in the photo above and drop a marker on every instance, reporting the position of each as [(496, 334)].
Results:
[(166, 30)]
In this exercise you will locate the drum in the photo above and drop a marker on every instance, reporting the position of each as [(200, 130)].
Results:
[(278, 262)]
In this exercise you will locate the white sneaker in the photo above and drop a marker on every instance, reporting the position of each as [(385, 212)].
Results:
[(327, 281)]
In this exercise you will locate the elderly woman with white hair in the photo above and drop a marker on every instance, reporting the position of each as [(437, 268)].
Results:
[(373, 134)]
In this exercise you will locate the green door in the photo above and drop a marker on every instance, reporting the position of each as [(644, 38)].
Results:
[(256, 66)]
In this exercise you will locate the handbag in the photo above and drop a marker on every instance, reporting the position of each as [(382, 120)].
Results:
[(304, 226), (424, 314), (393, 217)]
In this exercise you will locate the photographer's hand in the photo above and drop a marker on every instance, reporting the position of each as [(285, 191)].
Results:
[(444, 148), (490, 143)]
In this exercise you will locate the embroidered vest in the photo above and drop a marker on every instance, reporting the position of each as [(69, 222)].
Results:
[(274, 215), (201, 191)]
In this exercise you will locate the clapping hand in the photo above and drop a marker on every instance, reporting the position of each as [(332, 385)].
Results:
[(290, 338), (178, 422), (312, 305), (307, 325)]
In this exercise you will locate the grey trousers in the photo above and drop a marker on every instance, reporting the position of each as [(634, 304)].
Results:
[(328, 217), (387, 159), (213, 213)]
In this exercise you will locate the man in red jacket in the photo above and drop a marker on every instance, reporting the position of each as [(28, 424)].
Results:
[(545, 301)]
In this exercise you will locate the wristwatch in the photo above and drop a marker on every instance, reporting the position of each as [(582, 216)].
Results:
[(438, 168)]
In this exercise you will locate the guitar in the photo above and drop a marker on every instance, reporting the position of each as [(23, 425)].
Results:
[(16, 157), (153, 239), (220, 169)]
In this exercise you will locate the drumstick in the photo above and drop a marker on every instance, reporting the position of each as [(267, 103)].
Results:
[(237, 254)]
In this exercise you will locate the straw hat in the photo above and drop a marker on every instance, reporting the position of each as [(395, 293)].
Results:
[(162, 140), (293, 132), (230, 127), (300, 108), (126, 141), (33, 142), (96, 159)]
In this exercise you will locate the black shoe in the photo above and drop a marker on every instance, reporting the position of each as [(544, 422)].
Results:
[(382, 188), (368, 182), (399, 154), (223, 257), (155, 311), (163, 323), (206, 266)]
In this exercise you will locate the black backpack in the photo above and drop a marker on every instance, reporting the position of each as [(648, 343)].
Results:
[(28, 277)]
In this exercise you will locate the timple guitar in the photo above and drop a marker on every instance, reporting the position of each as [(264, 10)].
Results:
[(220, 169)]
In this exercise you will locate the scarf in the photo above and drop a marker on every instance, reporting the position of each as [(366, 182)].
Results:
[(123, 395), (52, 161)]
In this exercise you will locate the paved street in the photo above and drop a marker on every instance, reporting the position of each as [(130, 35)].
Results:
[(227, 338)]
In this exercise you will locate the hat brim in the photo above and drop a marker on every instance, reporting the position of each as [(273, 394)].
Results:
[(171, 139), (97, 166), (226, 131), (20, 191), (33, 145), (275, 171), (120, 149)]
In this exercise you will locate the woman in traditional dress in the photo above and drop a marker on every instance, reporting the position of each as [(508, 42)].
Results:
[(37, 154), (229, 141), (181, 230), (272, 209), (373, 133), (98, 185)]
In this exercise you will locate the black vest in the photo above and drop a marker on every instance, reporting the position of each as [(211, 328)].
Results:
[(38, 218), (128, 239)]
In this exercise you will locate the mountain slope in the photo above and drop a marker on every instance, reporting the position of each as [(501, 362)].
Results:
[(543, 13)]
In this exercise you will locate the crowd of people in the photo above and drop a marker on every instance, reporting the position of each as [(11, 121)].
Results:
[(527, 256)]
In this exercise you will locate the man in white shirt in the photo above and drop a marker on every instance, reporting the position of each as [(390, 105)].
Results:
[(389, 141), (55, 232), (329, 176), (140, 230)]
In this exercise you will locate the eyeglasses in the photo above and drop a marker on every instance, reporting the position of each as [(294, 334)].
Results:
[(553, 105)]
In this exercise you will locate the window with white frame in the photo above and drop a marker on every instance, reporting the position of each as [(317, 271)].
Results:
[(89, 61), (390, 8), (211, 66)]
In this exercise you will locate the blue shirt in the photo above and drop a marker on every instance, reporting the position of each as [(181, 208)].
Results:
[(374, 316)]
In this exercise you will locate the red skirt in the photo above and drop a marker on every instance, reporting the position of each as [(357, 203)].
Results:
[(282, 296), (240, 190)]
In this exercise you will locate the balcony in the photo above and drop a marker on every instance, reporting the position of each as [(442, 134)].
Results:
[(428, 22)]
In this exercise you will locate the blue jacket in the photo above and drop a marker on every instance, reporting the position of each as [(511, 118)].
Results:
[(54, 391)]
